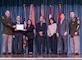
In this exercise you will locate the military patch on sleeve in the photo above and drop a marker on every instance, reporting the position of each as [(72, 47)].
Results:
[(78, 22), (3, 17), (78, 18)]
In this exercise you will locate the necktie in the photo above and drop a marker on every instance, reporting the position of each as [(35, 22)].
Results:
[(61, 22)]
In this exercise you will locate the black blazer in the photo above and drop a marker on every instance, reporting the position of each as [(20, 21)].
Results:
[(29, 33), (41, 28)]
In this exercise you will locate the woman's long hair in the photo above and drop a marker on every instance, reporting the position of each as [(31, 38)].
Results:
[(30, 21), (53, 21)]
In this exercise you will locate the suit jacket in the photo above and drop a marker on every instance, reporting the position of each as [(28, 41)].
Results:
[(7, 25), (41, 28), (62, 28), (18, 31), (30, 32)]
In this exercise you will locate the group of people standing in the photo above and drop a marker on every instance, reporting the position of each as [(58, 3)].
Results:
[(56, 32)]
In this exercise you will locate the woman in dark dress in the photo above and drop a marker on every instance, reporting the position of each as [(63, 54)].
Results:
[(30, 36)]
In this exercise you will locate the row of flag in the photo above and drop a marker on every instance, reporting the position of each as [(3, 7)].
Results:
[(32, 14)]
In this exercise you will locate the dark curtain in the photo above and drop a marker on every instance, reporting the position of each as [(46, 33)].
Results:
[(16, 8)]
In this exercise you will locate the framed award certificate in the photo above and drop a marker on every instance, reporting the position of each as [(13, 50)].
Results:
[(19, 26)]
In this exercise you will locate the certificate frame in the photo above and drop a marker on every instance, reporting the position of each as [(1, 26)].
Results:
[(19, 26)]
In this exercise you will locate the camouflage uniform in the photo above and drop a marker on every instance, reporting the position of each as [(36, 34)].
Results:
[(74, 26)]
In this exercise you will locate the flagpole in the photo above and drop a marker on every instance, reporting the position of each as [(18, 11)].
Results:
[(50, 12), (24, 6), (42, 11), (24, 39), (59, 12), (59, 5)]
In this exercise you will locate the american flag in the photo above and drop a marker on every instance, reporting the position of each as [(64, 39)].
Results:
[(24, 22), (24, 15)]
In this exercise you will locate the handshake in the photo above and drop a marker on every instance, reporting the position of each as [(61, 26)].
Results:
[(19, 27)]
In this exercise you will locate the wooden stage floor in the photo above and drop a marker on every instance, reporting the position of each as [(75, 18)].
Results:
[(41, 56)]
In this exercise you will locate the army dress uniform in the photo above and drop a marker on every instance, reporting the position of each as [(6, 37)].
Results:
[(7, 34), (74, 26)]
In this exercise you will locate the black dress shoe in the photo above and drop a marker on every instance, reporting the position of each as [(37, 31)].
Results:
[(60, 54), (16, 54), (9, 53), (65, 53), (3, 53), (76, 53), (20, 53)]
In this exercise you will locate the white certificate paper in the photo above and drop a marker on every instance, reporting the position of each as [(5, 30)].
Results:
[(19, 26)]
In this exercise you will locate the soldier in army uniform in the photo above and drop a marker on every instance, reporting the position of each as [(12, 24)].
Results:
[(7, 32), (74, 26)]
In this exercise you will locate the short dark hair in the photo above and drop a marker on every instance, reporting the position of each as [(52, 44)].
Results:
[(71, 11), (62, 13)]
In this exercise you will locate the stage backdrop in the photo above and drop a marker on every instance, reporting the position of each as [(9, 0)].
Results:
[(16, 8)]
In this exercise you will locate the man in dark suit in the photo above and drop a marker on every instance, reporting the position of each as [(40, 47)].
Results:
[(41, 30), (18, 38), (62, 35), (7, 32)]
